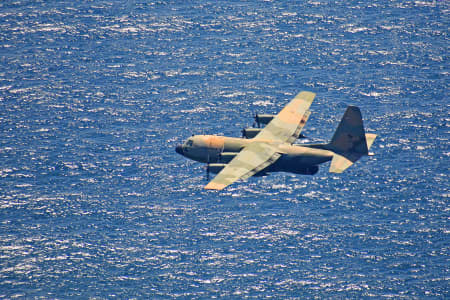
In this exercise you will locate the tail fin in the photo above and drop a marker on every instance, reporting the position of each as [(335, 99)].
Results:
[(349, 142)]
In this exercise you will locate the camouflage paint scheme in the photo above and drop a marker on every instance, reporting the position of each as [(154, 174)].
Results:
[(272, 149)]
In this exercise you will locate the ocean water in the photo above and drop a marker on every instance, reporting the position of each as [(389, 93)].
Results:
[(95, 203)]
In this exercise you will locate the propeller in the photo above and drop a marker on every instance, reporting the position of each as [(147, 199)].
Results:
[(243, 133), (207, 169), (256, 117)]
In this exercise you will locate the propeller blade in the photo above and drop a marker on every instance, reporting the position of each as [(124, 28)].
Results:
[(207, 169), (256, 117)]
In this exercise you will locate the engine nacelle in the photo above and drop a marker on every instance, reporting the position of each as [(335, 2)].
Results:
[(215, 168), (226, 157), (263, 119), (250, 133)]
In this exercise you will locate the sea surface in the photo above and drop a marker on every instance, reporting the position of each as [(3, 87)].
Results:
[(95, 203)]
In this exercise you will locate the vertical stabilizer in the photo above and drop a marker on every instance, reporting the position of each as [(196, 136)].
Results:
[(350, 136), (349, 142)]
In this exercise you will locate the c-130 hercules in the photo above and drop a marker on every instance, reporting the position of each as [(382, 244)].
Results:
[(271, 148)]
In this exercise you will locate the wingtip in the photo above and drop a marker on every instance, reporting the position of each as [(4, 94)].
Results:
[(215, 186), (308, 96)]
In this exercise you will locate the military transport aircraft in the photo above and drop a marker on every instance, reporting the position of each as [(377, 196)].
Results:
[(271, 149)]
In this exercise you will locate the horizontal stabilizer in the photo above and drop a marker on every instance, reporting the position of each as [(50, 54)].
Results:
[(370, 137), (339, 164)]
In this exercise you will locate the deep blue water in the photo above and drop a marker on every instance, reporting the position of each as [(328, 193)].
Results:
[(95, 203)]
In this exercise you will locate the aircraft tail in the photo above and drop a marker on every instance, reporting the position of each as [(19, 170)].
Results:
[(349, 142)]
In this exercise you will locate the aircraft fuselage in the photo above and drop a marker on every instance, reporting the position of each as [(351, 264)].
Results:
[(299, 159)]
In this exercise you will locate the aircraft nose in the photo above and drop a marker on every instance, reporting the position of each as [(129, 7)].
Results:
[(179, 149)]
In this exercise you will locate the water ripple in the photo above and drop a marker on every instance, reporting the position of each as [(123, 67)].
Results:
[(95, 203)]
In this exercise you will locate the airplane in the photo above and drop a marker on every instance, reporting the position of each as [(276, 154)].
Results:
[(270, 149)]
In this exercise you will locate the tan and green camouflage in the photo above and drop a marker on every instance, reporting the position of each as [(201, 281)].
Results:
[(272, 148)]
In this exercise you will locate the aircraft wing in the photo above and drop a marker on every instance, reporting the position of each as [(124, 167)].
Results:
[(284, 127), (287, 125), (251, 160)]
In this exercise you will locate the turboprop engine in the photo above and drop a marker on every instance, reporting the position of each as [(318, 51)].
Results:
[(263, 119), (250, 133), (226, 157), (215, 168)]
